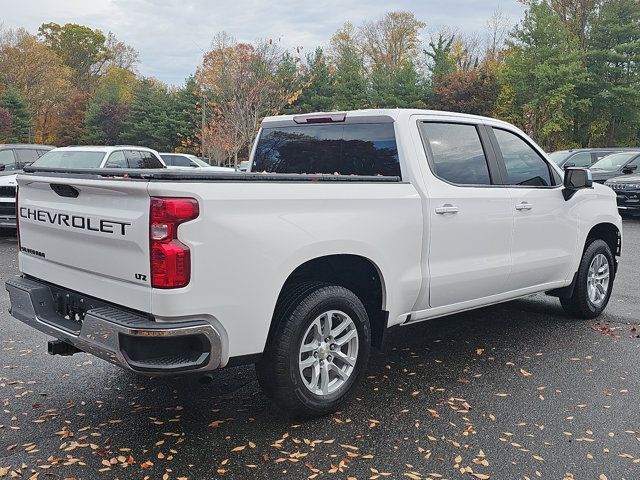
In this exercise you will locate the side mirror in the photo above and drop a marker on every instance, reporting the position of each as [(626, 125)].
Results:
[(629, 169), (576, 179), (568, 165)]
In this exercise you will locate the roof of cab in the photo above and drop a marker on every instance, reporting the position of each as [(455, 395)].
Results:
[(104, 149), (392, 114), (27, 145)]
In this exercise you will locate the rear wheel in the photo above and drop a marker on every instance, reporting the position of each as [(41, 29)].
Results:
[(319, 351), (594, 282)]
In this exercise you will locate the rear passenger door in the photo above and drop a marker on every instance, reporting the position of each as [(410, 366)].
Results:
[(470, 216), (544, 234)]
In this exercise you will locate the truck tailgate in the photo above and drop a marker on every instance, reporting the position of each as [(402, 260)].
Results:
[(88, 235)]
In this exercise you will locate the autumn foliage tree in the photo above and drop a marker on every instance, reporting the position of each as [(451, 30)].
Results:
[(469, 91), (243, 83)]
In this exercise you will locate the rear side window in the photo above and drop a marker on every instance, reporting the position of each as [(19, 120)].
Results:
[(456, 153), (177, 161), (345, 149), (524, 166), (143, 159)]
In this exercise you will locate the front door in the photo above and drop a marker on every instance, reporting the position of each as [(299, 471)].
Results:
[(544, 234)]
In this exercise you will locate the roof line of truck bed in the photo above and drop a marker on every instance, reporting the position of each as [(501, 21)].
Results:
[(175, 175)]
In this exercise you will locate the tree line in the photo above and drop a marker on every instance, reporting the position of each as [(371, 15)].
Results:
[(568, 73)]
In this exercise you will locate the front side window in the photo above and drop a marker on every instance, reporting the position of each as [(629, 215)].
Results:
[(26, 156), (581, 159), (559, 157), (456, 153), (340, 149), (524, 165), (634, 163), (70, 159), (614, 161), (116, 160), (7, 159)]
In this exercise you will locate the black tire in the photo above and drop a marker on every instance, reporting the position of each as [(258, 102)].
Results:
[(579, 305), (277, 370)]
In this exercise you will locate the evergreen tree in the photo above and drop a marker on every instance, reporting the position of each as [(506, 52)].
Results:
[(396, 88), (149, 122), (613, 63), (13, 102), (319, 85), (542, 71), (186, 114), (107, 110), (351, 86)]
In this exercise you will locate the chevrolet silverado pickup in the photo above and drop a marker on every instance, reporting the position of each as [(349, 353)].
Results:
[(345, 225)]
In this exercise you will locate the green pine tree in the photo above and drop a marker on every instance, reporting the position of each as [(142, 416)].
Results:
[(613, 63), (149, 122), (543, 68), (318, 95), (186, 116), (12, 101)]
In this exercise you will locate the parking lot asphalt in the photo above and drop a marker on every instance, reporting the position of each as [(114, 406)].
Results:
[(514, 391)]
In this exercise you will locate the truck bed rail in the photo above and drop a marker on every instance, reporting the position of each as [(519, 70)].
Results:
[(182, 176)]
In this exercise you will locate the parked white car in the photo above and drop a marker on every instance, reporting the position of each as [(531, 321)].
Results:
[(185, 160), (361, 221), (13, 157), (87, 156)]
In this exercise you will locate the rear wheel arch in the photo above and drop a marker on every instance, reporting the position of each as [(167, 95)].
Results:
[(357, 273)]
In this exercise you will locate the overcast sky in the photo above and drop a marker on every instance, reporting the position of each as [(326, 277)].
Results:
[(172, 35)]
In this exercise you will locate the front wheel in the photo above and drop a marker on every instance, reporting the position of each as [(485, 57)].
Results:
[(319, 351), (594, 282)]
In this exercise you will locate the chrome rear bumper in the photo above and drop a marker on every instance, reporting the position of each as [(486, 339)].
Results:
[(122, 337)]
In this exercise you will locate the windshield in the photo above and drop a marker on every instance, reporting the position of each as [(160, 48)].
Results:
[(558, 157), (70, 159), (613, 161)]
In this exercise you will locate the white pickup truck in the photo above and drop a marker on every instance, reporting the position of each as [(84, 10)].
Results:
[(347, 224)]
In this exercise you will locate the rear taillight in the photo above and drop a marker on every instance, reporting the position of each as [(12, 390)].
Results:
[(17, 217), (170, 258)]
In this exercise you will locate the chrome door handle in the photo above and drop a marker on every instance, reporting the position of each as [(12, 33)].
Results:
[(446, 208), (524, 206)]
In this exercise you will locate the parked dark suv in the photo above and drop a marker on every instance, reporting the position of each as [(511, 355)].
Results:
[(12, 159), (582, 157), (614, 165)]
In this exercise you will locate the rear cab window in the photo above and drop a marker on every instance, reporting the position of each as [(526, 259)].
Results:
[(336, 149)]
